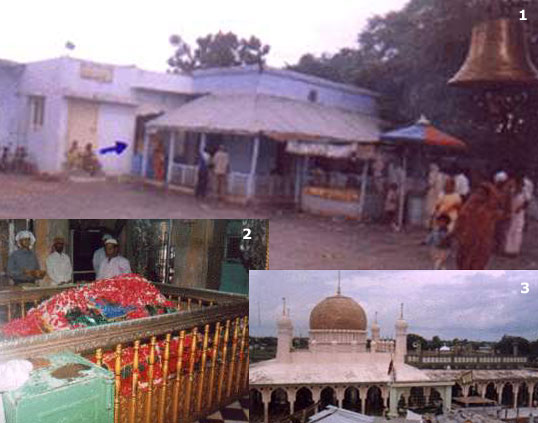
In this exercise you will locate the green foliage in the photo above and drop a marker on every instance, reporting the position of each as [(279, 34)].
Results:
[(409, 55), (216, 50), (413, 340)]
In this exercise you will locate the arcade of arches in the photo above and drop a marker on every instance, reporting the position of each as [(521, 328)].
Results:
[(272, 403)]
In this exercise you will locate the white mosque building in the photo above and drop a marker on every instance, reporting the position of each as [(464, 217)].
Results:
[(341, 368)]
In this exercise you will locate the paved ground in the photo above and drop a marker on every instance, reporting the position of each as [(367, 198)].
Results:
[(297, 241)]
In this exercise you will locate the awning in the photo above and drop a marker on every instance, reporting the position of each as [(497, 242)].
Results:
[(423, 133), (279, 118)]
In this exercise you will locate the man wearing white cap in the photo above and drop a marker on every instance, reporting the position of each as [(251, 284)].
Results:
[(22, 264), (99, 254), (113, 264), (58, 263)]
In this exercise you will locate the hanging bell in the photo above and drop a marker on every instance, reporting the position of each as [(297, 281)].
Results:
[(498, 56)]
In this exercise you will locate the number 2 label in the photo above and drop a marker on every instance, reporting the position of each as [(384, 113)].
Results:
[(246, 233)]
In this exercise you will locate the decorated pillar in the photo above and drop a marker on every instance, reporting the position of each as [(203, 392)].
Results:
[(482, 389), (339, 392), (516, 394), (316, 394), (363, 391), (530, 387), (427, 394), (401, 338), (266, 398), (499, 388), (292, 395)]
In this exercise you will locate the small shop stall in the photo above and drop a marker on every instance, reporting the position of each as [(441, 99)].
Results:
[(334, 179), (418, 145)]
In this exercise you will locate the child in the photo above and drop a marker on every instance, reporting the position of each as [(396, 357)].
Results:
[(439, 241), (391, 205)]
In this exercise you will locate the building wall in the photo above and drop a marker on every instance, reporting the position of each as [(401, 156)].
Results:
[(45, 144), (9, 104), (116, 123)]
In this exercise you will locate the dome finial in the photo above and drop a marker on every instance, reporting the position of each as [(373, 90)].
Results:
[(283, 306), (376, 317), (338, 289), (401, 310)]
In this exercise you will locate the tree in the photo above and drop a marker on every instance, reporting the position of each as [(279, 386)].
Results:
[(216, 50), (414, 340), (506, 345), (409, 55), (436, 343)]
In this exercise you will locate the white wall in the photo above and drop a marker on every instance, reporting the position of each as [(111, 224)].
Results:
[(116, 123), (46, 145), (9, 105)]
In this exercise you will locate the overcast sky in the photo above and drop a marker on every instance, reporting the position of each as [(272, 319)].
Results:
[(452, 304), (137, 32)]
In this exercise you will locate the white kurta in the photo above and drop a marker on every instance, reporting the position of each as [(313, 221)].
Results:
[(59, 268), (98, 256), (115, 266)]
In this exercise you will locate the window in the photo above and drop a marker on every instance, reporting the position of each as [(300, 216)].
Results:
[(37, 111)]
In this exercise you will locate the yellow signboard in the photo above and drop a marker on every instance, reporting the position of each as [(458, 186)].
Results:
[(96, 72)]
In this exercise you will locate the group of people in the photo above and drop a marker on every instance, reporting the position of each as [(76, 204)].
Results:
[(477, 223), (23, 266), (16, 161), (213, 173), (85, 160)]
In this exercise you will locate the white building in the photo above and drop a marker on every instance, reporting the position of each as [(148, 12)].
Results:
[(47, 105), (340, 369)]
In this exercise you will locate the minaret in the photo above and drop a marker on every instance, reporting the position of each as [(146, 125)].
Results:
[(375, 329), (401, 337), (285, 335), (338, 288)]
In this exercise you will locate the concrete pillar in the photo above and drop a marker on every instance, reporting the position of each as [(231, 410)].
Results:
[(364, 184), (251, 183), (427, 394), (316, 395), (292, 394), (530, 387), (171, 152), (394, 395), (516, 393), (499, 393), (482, 389), (340, 392), (363, 392), (447, 400), (266, 398)]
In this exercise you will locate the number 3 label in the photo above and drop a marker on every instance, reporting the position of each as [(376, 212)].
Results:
[(246, 233), (525, 288)]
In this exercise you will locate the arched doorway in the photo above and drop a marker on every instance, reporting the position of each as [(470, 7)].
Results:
[(255, 405), (535, 396), (279, 407), (491, 392), (327, 397), (374, 401), (436, 400), (416, 398), (507, 397), (457, 391), (352, 400), (473, 391), (523, 395), (303, 399)]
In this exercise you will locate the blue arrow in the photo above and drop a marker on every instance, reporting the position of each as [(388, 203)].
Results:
[(118, 148)]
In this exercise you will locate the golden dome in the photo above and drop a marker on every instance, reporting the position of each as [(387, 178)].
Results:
[(338, 312)]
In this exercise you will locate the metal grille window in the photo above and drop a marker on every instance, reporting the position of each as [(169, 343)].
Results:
[(37, 111)]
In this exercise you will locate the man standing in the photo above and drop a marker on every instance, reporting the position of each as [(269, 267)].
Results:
[(113, 264), (203, 175), (58, 263), (99, 254), (221, 162), (22, 264)]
